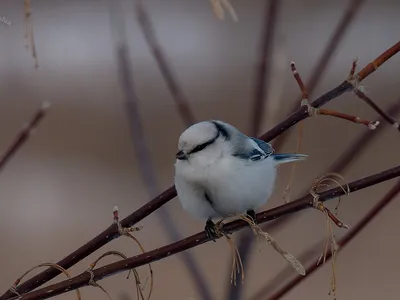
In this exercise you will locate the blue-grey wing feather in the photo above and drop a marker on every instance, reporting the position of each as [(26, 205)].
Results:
[(267, 148), (253, 153)]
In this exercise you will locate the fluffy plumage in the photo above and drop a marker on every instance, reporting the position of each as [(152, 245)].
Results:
[(220, 171)]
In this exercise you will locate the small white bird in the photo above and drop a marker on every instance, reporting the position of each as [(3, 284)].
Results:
[(220, 171)]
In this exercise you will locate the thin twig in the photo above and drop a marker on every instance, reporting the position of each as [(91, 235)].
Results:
[(164, 66), (24, 134), (375, 107), (306, 201), (29, 32), (354, 6), (390, 196), (112, 232)]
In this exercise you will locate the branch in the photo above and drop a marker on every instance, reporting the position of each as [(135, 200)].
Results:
[(375, 107), (339, 166), (141, 150), (24, 135), (149, 34), (353, 7), (264, 64), (307, 201), (390, 196), (112, 232)]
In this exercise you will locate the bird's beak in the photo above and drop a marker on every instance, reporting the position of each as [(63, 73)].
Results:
[(181, 156)]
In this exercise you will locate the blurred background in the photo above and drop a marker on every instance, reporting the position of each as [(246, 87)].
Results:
[(58, 192)]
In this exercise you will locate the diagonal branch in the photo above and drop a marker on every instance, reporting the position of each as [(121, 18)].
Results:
[(112, 231), (24, 135), (149, 34), (142, 153), (353, 7), (307, 201), (263, 80), (375, 107), (339, 166), (263, 69), (390, 196)]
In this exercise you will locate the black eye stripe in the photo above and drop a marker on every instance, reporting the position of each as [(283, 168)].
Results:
[(204, 145)]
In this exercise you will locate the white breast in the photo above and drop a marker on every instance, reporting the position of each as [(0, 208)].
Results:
[(233, 185)]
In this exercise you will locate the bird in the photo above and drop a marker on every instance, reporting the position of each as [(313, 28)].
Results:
[(220, 171)]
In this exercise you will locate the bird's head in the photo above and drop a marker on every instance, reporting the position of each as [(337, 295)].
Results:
[(202, 137)]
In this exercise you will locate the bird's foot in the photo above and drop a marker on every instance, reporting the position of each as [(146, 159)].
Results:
[(252, 215), (212, 230)]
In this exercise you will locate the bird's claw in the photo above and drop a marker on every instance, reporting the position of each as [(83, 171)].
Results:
[(211, 230), (252, 215)]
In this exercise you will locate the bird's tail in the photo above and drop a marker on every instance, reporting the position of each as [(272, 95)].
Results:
[(282, 158)]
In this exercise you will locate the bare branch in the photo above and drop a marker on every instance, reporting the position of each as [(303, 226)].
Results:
[(375, 107), (112, 232), (137, 134), (264, 64), (306, 201), (176, 91), (390, 196), (316, 75), (24, 135)]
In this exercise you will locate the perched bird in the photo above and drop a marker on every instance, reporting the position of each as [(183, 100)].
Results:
[(220, 171)]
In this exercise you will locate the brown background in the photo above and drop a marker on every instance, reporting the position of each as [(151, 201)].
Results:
[(59, 191)]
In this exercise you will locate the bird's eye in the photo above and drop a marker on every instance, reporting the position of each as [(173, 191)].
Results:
[(199, 147)]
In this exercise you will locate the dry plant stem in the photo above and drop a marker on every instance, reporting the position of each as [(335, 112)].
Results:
[(51, 265), (149, 34), (390, 196), (375, 107), (218, 8), (24, 135), (29, 35), (112, 232), (263, 68), (123, 256), (201, 237)]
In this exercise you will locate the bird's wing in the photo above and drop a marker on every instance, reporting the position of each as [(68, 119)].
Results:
[(266, 147), (250, 152)]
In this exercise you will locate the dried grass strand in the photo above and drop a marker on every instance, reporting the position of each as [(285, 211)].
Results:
[(49, 264)]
